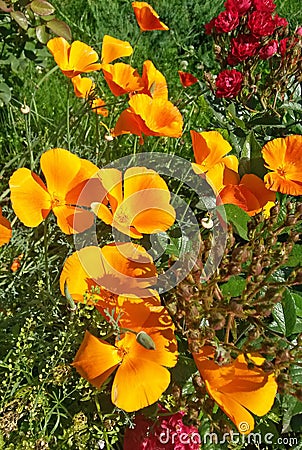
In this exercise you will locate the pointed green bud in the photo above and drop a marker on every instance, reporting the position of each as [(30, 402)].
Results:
[(145, 340)]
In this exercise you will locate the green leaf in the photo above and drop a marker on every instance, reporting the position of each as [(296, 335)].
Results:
[(238, 218), (41, 7), (295, 257), (42, 34), (289, 310), (298, 301), (60, 28), (234, 287), (5, 94), (285, 313), (231, 109), (20, 18)]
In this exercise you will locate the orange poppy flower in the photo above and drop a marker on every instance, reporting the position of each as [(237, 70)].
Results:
[(147, 18), (66, 176), (97, 106), (141, 375), (237, 388), (5, 229), (83, 87), (149, 116), (187, 79), (113, 48), (75, 58), (154, 82), (122, 78), (93, 274), (139, 205), (250, 194), (283, 157), (210, 149)]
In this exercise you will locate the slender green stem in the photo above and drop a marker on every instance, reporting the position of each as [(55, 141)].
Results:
[(46, 253), (67, 117), (134, 46)]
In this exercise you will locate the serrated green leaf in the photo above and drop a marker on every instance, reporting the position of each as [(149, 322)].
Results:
[(278, 315), (60, 28), (41, 7), (298, 301), (289, 311), (20, 18), (238, 218), (234, 287)]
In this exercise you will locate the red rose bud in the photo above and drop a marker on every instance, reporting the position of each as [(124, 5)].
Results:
[(228, 83), (280, 21), (209, 27), (244, 46), (299, 31), (226, 21), (261, 23), (187, 79), (269, 50), (241, 6), (264, 5)]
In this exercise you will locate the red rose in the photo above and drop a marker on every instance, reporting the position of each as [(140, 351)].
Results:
[(286, 44), (261, 23), (269, 50), (265, 5), (241, 6), (210, 26), (243, 46), (299, 31), (280, 21), (226, 21), (228, 83)]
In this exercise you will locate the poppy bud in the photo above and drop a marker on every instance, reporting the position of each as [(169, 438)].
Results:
[(145, 340)]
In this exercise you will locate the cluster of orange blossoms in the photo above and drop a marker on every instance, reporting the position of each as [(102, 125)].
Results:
[(149, 112), (119, 278)]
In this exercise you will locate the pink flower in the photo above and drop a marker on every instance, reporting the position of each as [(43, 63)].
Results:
[(228, 83), (226, 21), (167, 433), (241, 6), (269, 50), (264, 5), (244, 46), (299, 31), (261, 23)]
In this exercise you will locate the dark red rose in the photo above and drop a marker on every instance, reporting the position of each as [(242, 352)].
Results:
[(280, 21), (241, 6), (244, 46), (264, 5), (269, 50), (286, 44), (261, 23), (210, 26), (228, 83), (226, 21)]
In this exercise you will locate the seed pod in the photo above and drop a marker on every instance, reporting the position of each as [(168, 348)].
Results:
[(145, 340)]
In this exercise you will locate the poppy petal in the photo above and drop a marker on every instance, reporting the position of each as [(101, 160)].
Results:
[(96, 359), (145, 380), (72, 219), (30, 199), (187, 79), (209, 148), (5, 229), (154, 81), (122, 78), (59, 48), (147, 18), (82, 58), (82, 86), (113, 48)]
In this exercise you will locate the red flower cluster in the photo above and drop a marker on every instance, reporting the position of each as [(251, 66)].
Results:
[(253, 29), (167, 433)]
